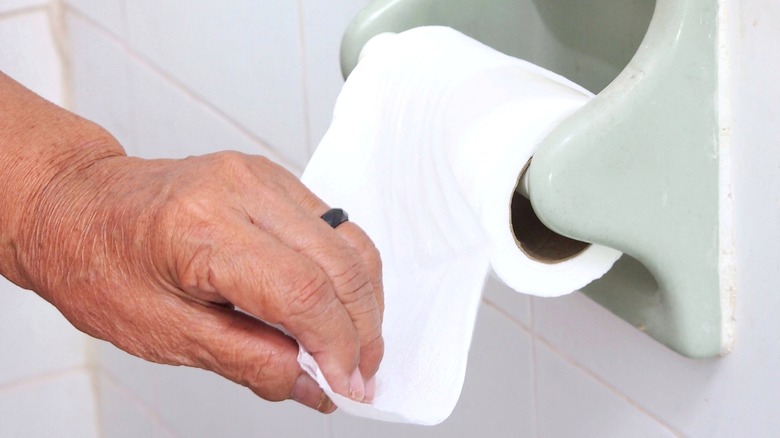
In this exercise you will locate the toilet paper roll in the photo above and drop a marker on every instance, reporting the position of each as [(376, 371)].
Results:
[(428, 138)]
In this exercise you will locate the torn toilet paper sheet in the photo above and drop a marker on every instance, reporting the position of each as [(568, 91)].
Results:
[(428, 138)]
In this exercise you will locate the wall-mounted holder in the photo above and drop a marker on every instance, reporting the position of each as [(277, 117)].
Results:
[(640, 167)]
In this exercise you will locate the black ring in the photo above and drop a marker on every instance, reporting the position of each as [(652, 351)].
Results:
[(335, 217)]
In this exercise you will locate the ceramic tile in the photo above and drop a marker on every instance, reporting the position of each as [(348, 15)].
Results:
[(150, 115), (63, 407), (30, 54), (497, 398), (109, 14), (122, 416), (716, 397), (15, 5), (571, 404), (324, 24), (515, 304), (243, 58), (668, 385), (140, 378), (196, 403), (100, 79), (169, 122), (34, 338)]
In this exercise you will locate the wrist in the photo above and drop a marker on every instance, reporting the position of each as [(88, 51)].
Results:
[(38, 186)]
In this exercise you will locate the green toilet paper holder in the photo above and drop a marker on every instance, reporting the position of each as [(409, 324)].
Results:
[(640, 168)]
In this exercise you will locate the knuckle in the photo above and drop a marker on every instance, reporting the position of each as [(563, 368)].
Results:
[(234, 350), (239, 164), (352, 283), (196, 270), (373, 351), (185, 228), (367, 250), (374, 260), (308, 292), (371, 325), (184, 207), (243, 174), (371, 253), (230, 160), (235, 169), (262, 379)]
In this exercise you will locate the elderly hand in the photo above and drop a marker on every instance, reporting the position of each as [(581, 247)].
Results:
[(154, 256)]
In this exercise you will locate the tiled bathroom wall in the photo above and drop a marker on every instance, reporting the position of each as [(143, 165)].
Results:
[(176, 78)]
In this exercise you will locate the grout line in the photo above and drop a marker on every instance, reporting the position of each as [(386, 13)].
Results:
[(27, 10), (727, 262), (132, 133), (77, 11), (42, 378), (500, 309), (305, 79), (111, 381), (534, 366), (55, 12), (268, 150), (133, 147), (616, 391), (94, 380), (530, 331)]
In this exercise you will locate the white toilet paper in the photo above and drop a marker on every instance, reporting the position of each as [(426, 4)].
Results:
[(428, 137)]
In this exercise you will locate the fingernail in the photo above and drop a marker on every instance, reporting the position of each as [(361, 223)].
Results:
[(325, 405), (308, 393), (357, 389), (370, 389)]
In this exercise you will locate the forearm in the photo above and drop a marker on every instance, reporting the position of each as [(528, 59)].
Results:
[(40, 145)]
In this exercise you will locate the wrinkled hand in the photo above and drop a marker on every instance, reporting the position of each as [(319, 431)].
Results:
[(154, 256)]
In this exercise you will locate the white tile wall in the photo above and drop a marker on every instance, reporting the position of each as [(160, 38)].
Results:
[(140, 378), (122, 415), (196, 403), (100, 79), (323, 26), (168, 122), (517, 306), (109, 14), (60, 407), (34, 338), (29, 53), (11, 6), (197, 395), (149, 114), (571, 404), (244, 59), (633, 362)]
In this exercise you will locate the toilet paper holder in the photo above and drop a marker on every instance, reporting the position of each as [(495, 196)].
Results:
[(643, 168)]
